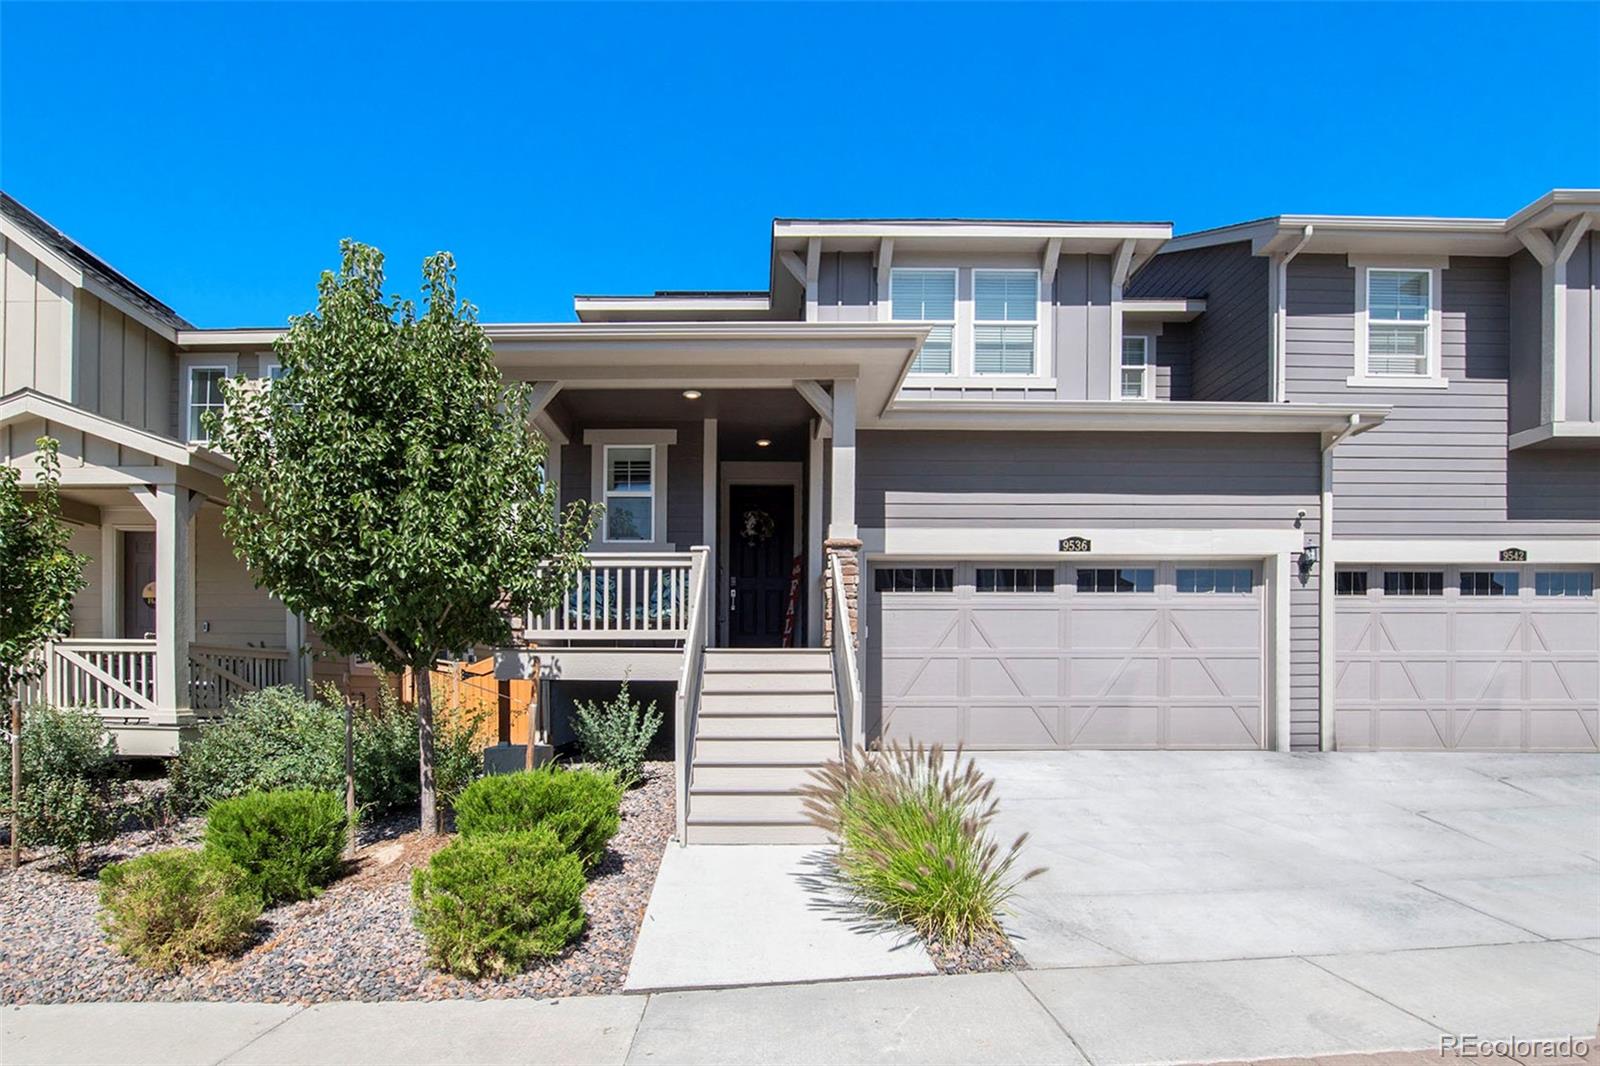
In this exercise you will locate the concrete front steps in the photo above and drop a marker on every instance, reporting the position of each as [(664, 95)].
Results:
[(767, 719)]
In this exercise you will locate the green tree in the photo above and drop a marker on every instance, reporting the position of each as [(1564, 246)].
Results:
[(39, 574), (390, 487)]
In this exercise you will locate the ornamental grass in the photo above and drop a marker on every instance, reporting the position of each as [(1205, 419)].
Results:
[(912, 829)]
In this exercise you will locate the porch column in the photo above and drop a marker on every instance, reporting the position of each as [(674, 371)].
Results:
[(842, 518), (173, 508)]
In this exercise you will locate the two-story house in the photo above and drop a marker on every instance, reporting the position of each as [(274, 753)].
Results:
[(1301, 483)]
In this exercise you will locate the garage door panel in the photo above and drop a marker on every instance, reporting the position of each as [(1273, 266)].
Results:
[(1120, 675), (1203, 726), (1497, 672), (1412, 680), (1216, 630), (917, 627), (919, 724), (920, 677), (1013, 725), (1030, 678), (1411, 728), (995, 627), (1115, 726), (1238, 677), (1095, 627)]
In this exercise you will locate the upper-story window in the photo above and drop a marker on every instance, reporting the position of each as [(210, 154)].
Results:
[(1005, 317), (1399, 342), (205, 394), (630, 493), (1136, 368), (928, 296)]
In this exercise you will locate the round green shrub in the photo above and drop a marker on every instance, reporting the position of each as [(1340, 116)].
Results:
[(171, 908), (581, 807), (289, 844), (488, 905), (73, 794), (278, 739)]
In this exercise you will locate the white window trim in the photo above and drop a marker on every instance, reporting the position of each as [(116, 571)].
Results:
[(1039, 319), (660, 440), (268, 365), (1148, 392), (228, 364), (954, 323), (1434, 378)]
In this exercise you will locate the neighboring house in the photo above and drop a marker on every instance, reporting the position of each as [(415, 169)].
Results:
[(1302, 483)]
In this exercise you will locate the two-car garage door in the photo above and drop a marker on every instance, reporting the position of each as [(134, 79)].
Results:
[(1066, 656), (1502, 658)]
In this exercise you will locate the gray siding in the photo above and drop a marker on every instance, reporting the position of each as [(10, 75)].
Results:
[(1174, 379), (1583, 332), (1526, 281), (847, 288), (1082, 339), (1173, 480), (1439, 465), (1229, 349), (685, 472), (1305, 655)]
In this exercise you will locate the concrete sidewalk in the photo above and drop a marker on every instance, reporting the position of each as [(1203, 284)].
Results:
[(1161, 1012)]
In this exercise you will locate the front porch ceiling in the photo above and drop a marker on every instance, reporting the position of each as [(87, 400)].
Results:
[(742, 415)]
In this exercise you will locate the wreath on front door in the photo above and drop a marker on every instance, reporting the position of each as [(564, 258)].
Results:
[(757, 526)]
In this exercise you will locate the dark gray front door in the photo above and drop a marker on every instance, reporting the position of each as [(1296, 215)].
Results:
[(138, 585), (760, 556)]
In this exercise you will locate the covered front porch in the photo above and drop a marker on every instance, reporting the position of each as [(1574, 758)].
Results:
[(169, 627)]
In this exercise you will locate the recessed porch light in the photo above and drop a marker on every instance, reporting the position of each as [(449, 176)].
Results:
[(763, 442), (691, 394)]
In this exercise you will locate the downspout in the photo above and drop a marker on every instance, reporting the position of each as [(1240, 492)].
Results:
[(1325, 600), (1280, 317)]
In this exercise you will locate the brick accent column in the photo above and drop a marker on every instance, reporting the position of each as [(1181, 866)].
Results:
[(849, 554)]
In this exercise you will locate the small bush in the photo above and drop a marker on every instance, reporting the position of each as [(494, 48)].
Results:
[(289, 844), (912, 839), (581, 807), (171, 908), (278, 739), (616, 734), (73, 794), (488, 905)]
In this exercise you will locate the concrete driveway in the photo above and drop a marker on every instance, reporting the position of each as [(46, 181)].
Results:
[(1458, 888)]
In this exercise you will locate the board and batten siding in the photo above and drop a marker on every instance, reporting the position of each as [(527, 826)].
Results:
[(228, 607), (124, 371), (1583, 332), (35, 325), (1230, 356), (1438, 467)]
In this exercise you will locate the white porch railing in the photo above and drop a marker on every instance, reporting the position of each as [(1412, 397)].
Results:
[(115, 678), (621, 596), (218, 674), (846, 671), (687, 699)]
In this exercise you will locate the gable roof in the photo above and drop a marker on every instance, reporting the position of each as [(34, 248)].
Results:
[(90, 265)]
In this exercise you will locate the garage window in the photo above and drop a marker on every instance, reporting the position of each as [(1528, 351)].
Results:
[(1123, 579), (1350, 583), (914, 579), (1015, 579), (1563, 583), (1212, 580), (1413, 582), (1488, 582)]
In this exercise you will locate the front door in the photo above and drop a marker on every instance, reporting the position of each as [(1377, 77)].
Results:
[(760, 557), (138, 585)]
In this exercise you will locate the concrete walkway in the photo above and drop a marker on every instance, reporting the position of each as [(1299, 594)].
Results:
[(1158, 1013), (723, 915)]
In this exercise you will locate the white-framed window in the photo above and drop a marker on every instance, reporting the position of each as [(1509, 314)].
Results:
[(1398, 330), (1005, 321), (630, 488), (204, 393), (927, 294), (271, 369), (1136, 361)]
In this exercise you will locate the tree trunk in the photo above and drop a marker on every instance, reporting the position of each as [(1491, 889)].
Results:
[(430, 804)]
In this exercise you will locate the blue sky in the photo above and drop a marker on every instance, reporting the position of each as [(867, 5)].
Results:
[(216, 154)]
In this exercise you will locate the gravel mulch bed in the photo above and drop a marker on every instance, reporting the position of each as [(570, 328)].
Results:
[(983, 955), (355, 942)]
